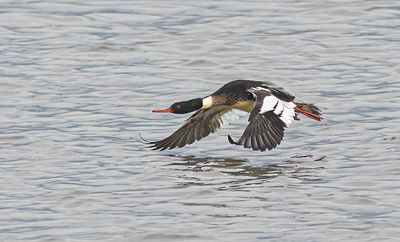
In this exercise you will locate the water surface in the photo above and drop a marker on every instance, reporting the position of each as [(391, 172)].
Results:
[(78, 81)]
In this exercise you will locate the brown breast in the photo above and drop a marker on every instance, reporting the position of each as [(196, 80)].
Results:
[(246, 106)]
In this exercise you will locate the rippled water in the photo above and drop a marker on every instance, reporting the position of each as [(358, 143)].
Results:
[(78, 81)]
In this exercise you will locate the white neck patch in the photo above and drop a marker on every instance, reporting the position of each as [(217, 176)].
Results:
[(207, 102)]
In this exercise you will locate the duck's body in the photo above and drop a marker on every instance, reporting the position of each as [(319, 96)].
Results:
[(272, 109)]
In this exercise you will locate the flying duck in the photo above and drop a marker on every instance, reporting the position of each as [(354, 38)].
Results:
[(272, 109)]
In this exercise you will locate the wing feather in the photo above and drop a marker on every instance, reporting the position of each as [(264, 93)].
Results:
[(265, 129), (198, 126)]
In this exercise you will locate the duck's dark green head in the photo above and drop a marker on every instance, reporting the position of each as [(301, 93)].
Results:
[(183, 107)]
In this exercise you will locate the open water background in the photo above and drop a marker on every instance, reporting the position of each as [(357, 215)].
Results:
[(78, 81)]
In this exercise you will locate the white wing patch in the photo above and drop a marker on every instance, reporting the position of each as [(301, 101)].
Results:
[(288, 113), (269, 103), (285, 110)]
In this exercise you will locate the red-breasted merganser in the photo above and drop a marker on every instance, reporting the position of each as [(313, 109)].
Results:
[(272, 109)]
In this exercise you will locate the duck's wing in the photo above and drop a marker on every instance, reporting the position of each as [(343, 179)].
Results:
[(198, 126), (267, 122)]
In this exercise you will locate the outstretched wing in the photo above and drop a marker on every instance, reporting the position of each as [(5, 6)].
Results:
[(198, 126), (267, 122)]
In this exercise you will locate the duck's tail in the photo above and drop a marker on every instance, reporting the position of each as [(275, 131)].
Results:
[(309, 110)]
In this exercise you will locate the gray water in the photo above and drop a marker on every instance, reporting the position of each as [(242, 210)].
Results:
[(78, 81)]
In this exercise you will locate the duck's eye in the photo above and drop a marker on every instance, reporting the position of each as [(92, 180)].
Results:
[(178, 106)]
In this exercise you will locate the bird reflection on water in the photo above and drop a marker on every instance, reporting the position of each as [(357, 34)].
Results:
[(295, 167)]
